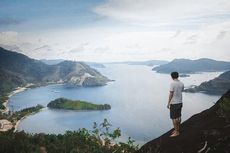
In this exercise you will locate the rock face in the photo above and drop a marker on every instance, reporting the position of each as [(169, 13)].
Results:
[(193, 66), (208, 131), (216, 86), (5, 125)]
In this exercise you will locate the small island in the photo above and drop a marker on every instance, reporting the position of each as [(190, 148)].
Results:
[(63, 103), (184, 75)]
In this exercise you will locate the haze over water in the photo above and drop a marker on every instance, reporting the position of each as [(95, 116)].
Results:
[(138, 97)]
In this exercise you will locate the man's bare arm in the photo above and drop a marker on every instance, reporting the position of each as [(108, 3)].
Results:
[(170, 98)]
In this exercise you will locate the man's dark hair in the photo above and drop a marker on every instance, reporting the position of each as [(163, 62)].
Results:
[(174, 75)]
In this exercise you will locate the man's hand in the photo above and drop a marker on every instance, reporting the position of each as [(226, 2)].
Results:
[(168, 106), (170, 98)]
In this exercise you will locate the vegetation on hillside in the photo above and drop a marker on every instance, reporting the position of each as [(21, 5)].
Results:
[(62, 103), (18, 70), (218, 85), (24, 112), (99, 140)]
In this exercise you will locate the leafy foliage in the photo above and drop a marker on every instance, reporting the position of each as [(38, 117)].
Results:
[(100, 140), (63, 103), (27, 111)]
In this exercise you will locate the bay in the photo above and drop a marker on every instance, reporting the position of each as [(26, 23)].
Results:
[(138, 97)]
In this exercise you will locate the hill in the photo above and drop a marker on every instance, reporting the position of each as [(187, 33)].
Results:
[(52, 61), (218, 85), (193, 66), (17, 70), (207, 131), (147, 63), (62, 103)]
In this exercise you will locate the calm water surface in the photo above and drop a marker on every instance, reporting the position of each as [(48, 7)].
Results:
[(138, 98)]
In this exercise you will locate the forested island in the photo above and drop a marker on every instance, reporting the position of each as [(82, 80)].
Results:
[(63, 103)]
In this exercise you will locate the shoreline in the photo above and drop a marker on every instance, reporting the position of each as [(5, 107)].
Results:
[(18, 122), (17, 90)]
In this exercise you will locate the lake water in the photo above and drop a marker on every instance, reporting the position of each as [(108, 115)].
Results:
[(138, 98)]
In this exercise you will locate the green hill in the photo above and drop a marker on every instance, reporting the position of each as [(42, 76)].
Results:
[(17, 70), (218, 85), (62, 103)]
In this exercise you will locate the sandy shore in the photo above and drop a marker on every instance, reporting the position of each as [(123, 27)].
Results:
[(5, 124), (18, 122), (17, 90)]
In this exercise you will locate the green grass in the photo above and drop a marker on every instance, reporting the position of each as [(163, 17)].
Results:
[(62, 103), (27, 111)]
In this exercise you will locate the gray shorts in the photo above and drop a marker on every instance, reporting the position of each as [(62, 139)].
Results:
[(175, 110)]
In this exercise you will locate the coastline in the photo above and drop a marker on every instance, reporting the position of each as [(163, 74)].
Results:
[(18, 122), (17, 90)]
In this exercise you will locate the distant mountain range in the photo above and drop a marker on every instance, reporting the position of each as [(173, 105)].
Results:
[(148, 63), (218, 85), (205, 132), (17, 69), (193, 66)]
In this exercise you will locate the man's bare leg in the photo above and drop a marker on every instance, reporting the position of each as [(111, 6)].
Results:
[(176, 127), (179, 122)]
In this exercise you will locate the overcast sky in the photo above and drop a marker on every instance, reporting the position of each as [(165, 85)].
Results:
[(116, 30)]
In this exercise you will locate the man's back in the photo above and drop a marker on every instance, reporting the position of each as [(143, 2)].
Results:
[(176, 87)]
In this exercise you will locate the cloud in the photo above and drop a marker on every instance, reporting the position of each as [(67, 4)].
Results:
[(156, 12), (8, 37), (80, 48), (221, 35), (178, 32), (191, 39), (12, 48), (44, 47), (9, 21)]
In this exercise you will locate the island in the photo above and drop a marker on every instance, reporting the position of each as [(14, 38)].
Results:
[(63, 103), (184, 75)]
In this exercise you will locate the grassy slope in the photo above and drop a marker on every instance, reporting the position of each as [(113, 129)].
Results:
[(63, 103)]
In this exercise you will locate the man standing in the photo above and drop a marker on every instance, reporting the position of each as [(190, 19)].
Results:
[(175, 103)]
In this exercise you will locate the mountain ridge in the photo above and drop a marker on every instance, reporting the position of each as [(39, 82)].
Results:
[(17, 69), (217, 86), (193, 66)]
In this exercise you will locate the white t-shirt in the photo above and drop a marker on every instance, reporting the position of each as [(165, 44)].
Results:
[(177, 87)]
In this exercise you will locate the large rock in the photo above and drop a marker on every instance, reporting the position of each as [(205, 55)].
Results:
[(208, 131)]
